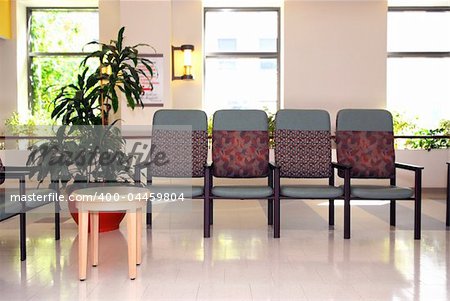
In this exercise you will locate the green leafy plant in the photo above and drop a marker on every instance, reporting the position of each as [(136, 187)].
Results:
[(82, 153), (118, 72), (78, 103), (429, 143), (79, 150)]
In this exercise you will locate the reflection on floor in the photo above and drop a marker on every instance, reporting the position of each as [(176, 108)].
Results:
[(241, 261)]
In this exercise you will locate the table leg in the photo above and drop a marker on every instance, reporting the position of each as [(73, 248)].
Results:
[(94, 238), (131, 227), (139, 236), (83, 221)]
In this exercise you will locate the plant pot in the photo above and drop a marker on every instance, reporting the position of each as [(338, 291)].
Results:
[(108, 221)]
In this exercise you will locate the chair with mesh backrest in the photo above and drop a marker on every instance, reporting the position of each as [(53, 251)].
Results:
[(303, 151), (240, 150), (182, 137), (365, 141)]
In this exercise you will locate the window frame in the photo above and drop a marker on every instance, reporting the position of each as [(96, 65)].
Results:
[(32, 54), (418, 54), (236, 54)]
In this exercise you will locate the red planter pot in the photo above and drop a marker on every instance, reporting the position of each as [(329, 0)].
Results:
[(108, 221)]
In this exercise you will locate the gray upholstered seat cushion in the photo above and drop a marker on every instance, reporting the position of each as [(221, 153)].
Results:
[(9, 206), (381, 192), (242, 191), (311, 191), (187, 191)]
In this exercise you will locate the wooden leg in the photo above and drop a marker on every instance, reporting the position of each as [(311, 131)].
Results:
[(83, 221), (94, 238), (139, 236), (131, 227)]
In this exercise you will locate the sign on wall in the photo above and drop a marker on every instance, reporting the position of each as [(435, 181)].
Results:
[(153, 97)]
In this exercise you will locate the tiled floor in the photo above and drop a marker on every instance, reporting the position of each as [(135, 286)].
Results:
[(241, 261)]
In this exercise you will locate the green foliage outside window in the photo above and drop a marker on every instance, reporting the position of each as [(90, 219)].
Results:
[(408, 127), (54, 33)]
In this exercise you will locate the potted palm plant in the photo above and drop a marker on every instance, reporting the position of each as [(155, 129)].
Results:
[(74, 155)]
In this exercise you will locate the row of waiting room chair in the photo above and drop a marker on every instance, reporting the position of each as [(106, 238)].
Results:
[(240, 149)]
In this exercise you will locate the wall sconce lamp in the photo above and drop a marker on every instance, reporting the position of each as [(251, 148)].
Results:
[(187, 53)]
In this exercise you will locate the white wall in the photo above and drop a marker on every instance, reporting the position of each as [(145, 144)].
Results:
[(148, 22), (335, 54)]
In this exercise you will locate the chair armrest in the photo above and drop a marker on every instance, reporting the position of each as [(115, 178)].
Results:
[(18, 169), (408, 166), (340, 166), (273, 166), (14, 174)]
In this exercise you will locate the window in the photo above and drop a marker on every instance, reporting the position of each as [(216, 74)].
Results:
[(57, 41), (418, 66), (242, 58)]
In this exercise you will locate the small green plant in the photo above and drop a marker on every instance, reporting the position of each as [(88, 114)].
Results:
[(408, 127), (429, 143)]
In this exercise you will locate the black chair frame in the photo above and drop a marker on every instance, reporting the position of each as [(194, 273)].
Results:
[(209, 208), (20, 173)]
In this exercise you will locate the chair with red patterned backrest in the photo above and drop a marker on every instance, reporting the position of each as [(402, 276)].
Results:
[(303, 151), (240, 150), (365, 141)]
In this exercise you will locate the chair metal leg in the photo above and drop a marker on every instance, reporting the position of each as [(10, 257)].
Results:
[(206, 218), (23, 236), (149, 215), (392, 213), (211, 212), (277, 207), (276, 218), (417, 204), (392, 205), (331, 201), (347, 208), (57, 226), (448, 196), (331, 212), (270, 212), (347, 212)]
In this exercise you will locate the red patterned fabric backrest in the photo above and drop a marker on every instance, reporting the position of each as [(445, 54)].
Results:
[(240, 154), (370, 153), (303, 154), (176, 145)]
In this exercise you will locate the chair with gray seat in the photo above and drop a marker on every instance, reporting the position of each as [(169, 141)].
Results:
[(181, 137), (365, 141), (303, 151), (18, 200), (240, 150)]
